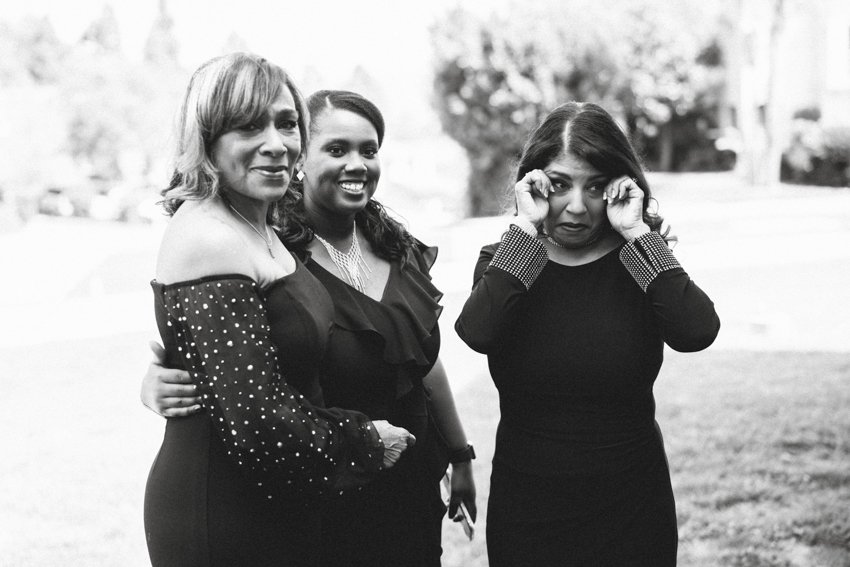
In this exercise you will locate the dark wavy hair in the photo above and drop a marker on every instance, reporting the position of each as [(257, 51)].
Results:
[(389, 239), (223, 93), (592, 135)]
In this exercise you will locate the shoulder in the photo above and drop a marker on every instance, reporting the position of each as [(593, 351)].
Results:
[(198, 243), (487, 252), (422, 256)]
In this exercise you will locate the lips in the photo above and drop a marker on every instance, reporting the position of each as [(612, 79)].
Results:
[(572, 226), (271, 171)]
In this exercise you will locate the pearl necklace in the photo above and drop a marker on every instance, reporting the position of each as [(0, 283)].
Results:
[(350, 264), (267, 238)]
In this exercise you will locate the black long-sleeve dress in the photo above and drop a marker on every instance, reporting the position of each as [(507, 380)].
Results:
[(378, 354), (580, 475), (238, 484)]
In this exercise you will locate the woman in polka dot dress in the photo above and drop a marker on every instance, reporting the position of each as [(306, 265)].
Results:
[(238, 484)]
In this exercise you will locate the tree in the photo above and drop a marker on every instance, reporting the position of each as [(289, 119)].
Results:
[(161, 46), (495, 78)]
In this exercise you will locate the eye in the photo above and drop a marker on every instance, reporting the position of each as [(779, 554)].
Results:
[(287, 124), (596, 188), (370, 152), (560, 186), (336, 151), (249, 127)]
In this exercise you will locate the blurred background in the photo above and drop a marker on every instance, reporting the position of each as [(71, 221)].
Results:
[(739, 108)]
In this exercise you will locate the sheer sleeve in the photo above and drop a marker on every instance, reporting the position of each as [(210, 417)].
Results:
[(684, 313), (221, 330), (503, 275)]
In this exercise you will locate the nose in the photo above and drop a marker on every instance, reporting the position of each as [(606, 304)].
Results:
[(575, 201), (272, 142), (355, 163)]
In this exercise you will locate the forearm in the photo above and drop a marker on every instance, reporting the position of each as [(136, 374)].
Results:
[(442, 406), (685, 314), (501, 282)]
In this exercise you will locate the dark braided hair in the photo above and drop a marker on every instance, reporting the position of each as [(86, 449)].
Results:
[(389, 239)]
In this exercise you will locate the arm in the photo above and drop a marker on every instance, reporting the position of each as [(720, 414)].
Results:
[(503, 276), (168, 392), (222, 333), (684, 313), (450, 428)]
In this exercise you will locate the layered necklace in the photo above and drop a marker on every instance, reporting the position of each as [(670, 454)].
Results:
[(350, 264), (267, 238)]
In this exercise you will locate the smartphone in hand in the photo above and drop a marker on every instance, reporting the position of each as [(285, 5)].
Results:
[(466, 520)]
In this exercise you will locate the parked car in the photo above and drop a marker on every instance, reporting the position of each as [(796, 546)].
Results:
[(56, 201)]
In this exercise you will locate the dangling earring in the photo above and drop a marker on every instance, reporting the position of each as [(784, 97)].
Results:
[(299, 175)]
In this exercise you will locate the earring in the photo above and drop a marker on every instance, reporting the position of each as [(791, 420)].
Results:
[(299, 175)]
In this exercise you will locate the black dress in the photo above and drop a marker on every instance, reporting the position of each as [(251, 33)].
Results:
[(580, 476), (239, 483), (379, 352)]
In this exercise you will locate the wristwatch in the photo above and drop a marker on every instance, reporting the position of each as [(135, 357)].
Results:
[(462, 455)]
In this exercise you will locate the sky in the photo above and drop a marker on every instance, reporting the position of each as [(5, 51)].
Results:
[(388, 38)]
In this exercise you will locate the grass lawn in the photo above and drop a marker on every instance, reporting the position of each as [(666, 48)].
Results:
[(759, 444), (759, 447)]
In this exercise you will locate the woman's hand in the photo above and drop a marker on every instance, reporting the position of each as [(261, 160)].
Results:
[(463, 490), (532, 192), (625, 207), (168, 392), (395, 439)]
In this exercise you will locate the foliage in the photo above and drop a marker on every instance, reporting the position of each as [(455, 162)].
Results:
[(496, 77), (83, 112), (817, 155)]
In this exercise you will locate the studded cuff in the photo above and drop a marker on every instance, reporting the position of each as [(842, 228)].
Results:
[(520, 255), (647, 256)]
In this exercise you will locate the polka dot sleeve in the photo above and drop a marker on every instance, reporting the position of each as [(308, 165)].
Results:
[(223, 336)]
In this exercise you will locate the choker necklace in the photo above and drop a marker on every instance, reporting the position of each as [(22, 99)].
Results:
[(267, 238), (350, 264), (592, 240)]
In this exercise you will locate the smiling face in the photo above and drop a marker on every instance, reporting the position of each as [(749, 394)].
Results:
[(256, 160), (341, 167), (577, 214)]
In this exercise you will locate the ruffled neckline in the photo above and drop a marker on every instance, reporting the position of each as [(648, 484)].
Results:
[(404, 317)]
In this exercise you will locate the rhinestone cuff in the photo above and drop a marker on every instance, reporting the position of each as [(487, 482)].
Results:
[(520, 255), (647, 256)]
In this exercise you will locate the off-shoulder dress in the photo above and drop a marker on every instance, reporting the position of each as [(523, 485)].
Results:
[(239, 483)]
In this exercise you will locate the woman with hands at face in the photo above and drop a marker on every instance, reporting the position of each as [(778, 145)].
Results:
[(240, 483), (573, 308), (382, 357)]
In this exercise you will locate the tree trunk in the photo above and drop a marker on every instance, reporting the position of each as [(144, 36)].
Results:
[(665, 157), (490, 185)]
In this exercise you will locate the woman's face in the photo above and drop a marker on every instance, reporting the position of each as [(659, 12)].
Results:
[(256, 160), (577, 213), (341, 168)]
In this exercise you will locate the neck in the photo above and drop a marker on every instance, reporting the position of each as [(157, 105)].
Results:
[(253, 210), (606, 242), (331, 227)]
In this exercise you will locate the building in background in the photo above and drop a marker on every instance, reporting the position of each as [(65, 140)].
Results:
[(785, 57)]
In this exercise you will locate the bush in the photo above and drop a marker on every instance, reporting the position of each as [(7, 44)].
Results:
[(817, 155)]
